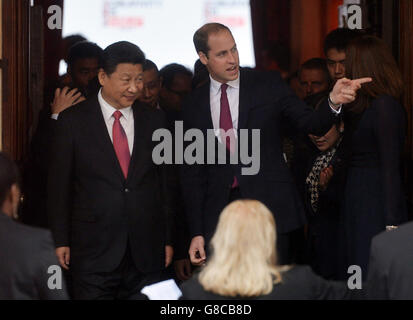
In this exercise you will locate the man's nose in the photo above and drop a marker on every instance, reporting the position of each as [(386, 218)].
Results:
[(133, 88), (231, 57), (337, 68)]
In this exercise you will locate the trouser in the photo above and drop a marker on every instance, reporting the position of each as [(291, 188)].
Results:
[(123, 283)]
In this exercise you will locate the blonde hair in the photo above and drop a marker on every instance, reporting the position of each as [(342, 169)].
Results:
[(243, 261)]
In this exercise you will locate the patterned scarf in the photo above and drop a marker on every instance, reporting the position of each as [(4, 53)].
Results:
[(313, 179)]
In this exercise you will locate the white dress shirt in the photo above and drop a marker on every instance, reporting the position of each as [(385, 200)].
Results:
[(215, 102), (127, 120)]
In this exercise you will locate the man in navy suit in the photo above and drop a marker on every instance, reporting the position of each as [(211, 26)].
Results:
[(234, 99)]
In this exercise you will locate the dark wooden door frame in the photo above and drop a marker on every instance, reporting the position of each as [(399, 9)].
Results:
[(15, 66)]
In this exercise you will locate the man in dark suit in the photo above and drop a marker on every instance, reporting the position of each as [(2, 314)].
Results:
[(236, 99), (108, 202), (26, 253), (390, 267)]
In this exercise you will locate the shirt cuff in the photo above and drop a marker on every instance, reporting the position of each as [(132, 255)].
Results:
[(334, 110), (54, 116)]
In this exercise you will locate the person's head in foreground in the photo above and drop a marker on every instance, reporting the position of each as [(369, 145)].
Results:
[(9, 186), (244, 258)]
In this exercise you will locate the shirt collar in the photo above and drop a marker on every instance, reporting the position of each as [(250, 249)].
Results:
[(216, 85), (108, 110)]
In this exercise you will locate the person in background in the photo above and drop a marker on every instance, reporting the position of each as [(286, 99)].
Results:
[(322, 187), (244, 264), (314, 77), (376, 126), (335, 45), (201, 75), (176, 85), (26, 253), (294, 83), (152, 84), (83, 62), (66, 44)]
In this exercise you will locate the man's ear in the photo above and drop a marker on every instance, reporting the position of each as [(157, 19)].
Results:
[(203, 58), (102, 77)]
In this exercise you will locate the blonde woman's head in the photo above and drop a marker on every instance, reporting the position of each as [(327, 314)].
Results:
[(243, 247)]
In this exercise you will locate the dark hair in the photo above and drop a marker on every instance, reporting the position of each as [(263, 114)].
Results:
[(201, 74), (150, 65), (84, 50), (169, 72), (201, 36), (9, 175), (73, 39), (369, 56), (317, 64), (339, 39), (121, 52)]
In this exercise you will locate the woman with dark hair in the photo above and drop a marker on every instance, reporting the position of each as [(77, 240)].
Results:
[(376, 126)]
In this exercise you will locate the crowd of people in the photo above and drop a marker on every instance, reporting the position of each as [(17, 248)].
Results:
[(331, 140)]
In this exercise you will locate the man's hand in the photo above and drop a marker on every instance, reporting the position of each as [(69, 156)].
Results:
[(64, 99), (197, 251), (325, 176), (345, 90), (183, 269), (63, 255), (169, 253)]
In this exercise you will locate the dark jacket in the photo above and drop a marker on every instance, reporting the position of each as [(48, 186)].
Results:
[(26, 254), (391, 264), (93, 209), (298, 283)]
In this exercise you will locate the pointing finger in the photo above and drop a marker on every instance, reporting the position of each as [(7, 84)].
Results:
[(362, 80)]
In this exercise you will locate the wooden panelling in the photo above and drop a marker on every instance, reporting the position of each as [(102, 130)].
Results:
[(15, 102)]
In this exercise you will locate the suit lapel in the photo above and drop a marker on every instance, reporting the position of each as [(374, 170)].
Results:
[(245, 96), (100, 131), (140, 133)]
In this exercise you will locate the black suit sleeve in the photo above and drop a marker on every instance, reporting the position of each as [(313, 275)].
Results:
[(168, 193), (60, 180), (193, 184), (302, 117)]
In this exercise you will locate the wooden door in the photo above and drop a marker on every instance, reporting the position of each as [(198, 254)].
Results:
[(15, 105)]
